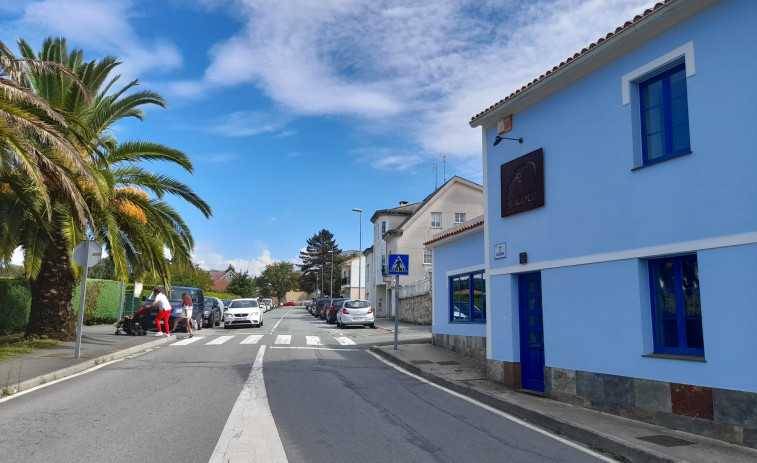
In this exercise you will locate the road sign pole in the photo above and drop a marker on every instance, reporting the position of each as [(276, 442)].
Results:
[(396, 309), (81, 306)]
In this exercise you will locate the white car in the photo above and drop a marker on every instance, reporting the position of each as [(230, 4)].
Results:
[(267, 303), (241, 312), (356, 312)]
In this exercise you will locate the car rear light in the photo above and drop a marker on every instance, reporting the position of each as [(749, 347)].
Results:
[(370, 310), (331, 309), (344, 311)]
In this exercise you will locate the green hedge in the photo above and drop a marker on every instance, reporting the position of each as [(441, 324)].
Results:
[(100, 304)]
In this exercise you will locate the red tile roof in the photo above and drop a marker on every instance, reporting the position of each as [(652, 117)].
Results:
[(575, 56)]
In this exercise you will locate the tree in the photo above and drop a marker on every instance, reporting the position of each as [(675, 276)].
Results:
[(242, 285), (317, 256), (103, 270), (277, 279), (132, 226), (193, 276)]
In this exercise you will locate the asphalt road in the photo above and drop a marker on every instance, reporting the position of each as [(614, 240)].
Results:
[(294, 390)]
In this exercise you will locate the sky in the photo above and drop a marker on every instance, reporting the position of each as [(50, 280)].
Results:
[(294, 112)]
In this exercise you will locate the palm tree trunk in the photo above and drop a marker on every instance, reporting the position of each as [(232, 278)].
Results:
[(52, 315)]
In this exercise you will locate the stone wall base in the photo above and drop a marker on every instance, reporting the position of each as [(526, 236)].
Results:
[(416, 309), (717, 413), (470, 346)]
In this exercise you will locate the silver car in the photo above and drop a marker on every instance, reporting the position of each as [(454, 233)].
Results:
[(356, 312), (241, 312)]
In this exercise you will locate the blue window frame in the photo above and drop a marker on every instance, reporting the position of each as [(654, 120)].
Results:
[(467, 298), (676, 307), (664, 116)]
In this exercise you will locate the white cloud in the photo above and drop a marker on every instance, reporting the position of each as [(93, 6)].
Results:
[(99, 26), (248, 123)]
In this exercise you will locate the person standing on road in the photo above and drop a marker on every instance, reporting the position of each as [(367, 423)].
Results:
[(186, 315), (164, 310)]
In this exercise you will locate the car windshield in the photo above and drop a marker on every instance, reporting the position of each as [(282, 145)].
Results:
[(175, 296), (357, 304), (243, 304)]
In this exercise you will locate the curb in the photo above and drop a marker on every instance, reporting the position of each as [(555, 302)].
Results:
[(589, 437), (83, 366)]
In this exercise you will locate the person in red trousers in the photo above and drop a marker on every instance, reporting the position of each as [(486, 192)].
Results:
[(164, 310)]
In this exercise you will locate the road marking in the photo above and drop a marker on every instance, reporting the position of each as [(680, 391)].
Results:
[(252, 339), (186, 341), (219, 340), (250, 433), (314, 340), (283, 339), (280, 320), (497, 412), (341, 349), (345, 341)]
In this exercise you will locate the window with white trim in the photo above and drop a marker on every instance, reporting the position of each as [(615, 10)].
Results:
[(436, 220), (459, 217), (427, 257), (383, 227)]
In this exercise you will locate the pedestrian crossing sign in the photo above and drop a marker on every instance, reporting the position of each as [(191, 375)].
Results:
[(398, 264)]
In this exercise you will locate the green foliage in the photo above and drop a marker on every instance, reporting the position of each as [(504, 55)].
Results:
[(242, 284), (222, 295), (100, 303), (15, 301), (194, 277), (104, 270), (320, 253), (277, 279)]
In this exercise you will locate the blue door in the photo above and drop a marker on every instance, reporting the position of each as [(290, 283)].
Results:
[(531, 332)]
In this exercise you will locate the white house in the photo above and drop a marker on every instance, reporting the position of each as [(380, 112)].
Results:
[(353, 275)]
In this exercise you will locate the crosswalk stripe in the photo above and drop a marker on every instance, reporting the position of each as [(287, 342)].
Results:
[(314, 340), (283, 339), (219, 340), (186, 341), (345, 341), (252, 339)]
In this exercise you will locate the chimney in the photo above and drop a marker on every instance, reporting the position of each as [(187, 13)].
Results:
[(403, 203)]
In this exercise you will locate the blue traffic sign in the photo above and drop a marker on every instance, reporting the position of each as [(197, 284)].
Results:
[(398, 264)]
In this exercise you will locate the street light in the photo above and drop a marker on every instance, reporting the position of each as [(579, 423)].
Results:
[(359, 251), (331, 290)]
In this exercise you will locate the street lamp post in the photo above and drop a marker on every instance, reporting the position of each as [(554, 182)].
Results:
[(331, 290), (359, 252)]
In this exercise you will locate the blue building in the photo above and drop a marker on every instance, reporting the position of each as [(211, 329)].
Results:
[(619, 243)]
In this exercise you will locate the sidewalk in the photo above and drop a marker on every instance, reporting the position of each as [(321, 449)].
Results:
[(98, 345), (633, 441)]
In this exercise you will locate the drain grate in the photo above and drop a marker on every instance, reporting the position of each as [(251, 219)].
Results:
[(421, 362), (448, 362), (666, 441)]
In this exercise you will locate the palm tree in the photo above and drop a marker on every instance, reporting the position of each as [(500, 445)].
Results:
[(132, 226)]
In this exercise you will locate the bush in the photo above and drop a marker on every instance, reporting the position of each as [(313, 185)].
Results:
[(15, 302)]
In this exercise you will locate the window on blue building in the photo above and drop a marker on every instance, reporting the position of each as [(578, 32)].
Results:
[(676, 307), (664, 115), (467, 298)]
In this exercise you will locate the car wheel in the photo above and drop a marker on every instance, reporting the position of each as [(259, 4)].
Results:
[(226, 326), (338, 324), (372, 325), (218, 323)]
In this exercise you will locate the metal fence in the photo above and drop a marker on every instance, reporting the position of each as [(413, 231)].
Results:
[(419, 288)]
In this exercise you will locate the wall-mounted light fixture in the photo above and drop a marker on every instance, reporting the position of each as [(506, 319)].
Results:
[(498, 139)]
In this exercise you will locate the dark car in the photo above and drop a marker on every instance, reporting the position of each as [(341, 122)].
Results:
[(177, 308), (332, 308), (319, 305), (213, 314)]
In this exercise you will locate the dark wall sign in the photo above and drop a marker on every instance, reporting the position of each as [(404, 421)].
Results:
[(522, 183)]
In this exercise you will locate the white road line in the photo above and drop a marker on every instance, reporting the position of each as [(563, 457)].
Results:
[(340, 349), (250, 433), (186, 341), (314, 340), (498, 412), (345, 341), (252, 339), (219, 340), (283, 339), (280, 320)]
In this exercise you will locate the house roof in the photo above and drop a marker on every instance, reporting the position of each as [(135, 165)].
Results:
[(444, 187), (403, 209), (457, 230), (581, 56)]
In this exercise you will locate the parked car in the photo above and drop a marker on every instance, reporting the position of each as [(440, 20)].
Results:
[(226, 302), (289, 303), (177, 308), (356, 312), (213, 314), (334, 306), (267, 303), (309, 307), (241, 312), (319, 305)]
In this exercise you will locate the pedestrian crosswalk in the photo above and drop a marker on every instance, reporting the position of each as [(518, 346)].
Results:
[(280, 340)]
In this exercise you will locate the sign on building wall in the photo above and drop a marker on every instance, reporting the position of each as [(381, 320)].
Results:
[(522, 183)]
